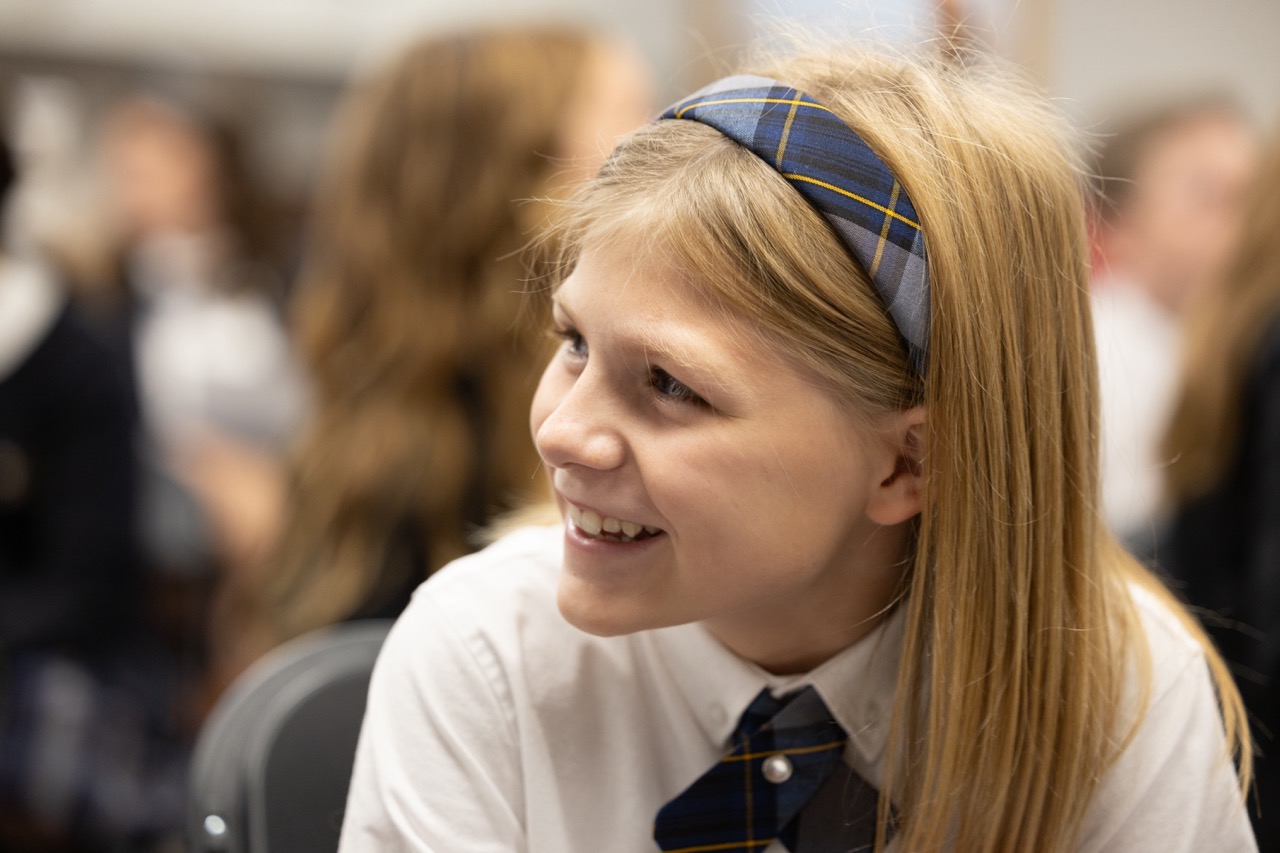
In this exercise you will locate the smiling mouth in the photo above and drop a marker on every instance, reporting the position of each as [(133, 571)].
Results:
[(606, 529)]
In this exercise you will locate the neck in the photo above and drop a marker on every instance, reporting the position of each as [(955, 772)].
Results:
[(842, 606), (794, 655)]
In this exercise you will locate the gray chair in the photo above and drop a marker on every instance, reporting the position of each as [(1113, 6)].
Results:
[(273, 761)]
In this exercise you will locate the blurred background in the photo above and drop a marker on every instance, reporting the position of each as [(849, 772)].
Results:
[(277, 65), (272, 70), (219, 444)]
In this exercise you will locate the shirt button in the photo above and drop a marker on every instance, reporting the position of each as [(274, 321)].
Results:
[(777, 769), (717, 715)]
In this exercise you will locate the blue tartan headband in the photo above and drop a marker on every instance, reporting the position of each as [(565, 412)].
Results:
[(830, 165)]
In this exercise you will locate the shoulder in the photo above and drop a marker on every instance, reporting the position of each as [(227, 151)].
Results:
[(450, 674), (30, 305), (1174, 652), (475, 621), (456, 649), (1173, 787), (43, 333), (69, 384), (519, 563), (486, 592), (486, 632)]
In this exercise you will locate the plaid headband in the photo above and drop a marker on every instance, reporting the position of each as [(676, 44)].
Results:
[(830, 165)]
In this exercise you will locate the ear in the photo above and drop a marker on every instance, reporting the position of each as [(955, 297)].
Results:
[(897, 493)]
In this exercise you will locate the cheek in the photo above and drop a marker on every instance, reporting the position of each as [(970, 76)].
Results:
[(545, 399), (775, 501)]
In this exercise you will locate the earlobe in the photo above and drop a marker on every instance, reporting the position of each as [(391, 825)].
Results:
[(899, 496)]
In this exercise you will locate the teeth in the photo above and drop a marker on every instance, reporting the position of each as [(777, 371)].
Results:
[(590, 522), (593, 524)]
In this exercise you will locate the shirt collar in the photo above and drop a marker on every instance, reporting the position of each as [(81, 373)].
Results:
[(858, 684)]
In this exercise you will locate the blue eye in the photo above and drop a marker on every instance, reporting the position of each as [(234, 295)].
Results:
[(671, 388), (575, 344)]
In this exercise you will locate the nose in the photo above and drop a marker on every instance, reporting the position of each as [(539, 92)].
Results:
[(575, 424)]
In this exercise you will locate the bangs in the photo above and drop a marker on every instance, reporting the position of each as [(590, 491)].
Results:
[(698, 201), (668, 190)]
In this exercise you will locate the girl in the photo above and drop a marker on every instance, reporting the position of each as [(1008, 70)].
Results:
[(1223, 541), (831, 575)]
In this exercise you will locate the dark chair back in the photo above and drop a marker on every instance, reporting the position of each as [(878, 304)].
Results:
[(273, 761)]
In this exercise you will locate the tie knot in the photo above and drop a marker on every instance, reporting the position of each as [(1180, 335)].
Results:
[(783, 750), (800, 709)]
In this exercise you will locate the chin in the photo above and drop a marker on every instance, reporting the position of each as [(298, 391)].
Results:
[(595, 617)]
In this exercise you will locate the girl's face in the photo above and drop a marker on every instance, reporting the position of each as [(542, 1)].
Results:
[(705, 477)]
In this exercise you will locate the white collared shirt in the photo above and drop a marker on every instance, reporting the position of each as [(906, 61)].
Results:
[(494, 725), (30, 301), (1138, 344)]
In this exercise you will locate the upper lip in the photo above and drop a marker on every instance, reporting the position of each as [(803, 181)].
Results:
[(620, 517)]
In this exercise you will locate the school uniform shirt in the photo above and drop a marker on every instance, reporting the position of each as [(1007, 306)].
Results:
[(494, 725), (1138, 342), (208, 357)]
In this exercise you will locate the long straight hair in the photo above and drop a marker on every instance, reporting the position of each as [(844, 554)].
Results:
[(1020, 626)]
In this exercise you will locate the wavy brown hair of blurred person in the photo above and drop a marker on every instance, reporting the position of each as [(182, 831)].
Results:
[(1223, 338), (409, 318)]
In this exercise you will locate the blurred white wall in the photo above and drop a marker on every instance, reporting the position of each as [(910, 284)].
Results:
[(1109, 54), (302, 37), (277, 65), (685, 39), (881, 20), (1096, 53), (1101, 57)]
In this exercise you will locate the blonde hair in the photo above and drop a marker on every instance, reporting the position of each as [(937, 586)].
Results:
[(408, 316), (1011, 699), (1223, 338)]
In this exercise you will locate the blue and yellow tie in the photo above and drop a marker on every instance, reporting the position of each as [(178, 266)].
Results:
[(783, 779)]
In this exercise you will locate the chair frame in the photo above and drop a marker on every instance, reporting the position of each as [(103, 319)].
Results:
[(226, 803)]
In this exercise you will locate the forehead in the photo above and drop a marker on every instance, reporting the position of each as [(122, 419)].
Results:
[(1202, 140), (643, 291), (638, 298)]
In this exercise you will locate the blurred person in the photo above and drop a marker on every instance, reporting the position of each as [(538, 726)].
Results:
[(91, 757), (1173, 184), (408, 312), (1223, 478), (198, 314)]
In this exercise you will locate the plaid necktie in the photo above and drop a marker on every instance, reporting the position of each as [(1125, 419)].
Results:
[(783, 779)]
